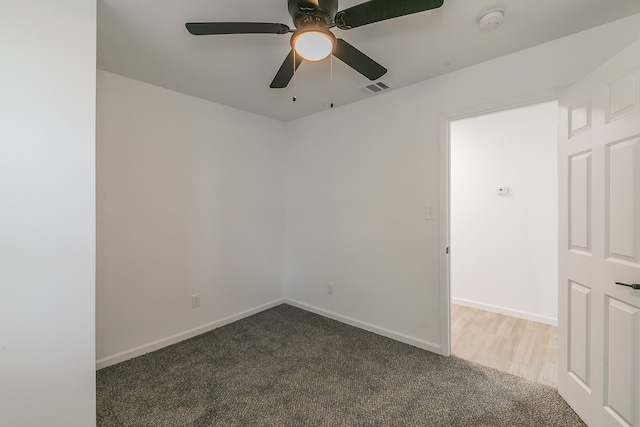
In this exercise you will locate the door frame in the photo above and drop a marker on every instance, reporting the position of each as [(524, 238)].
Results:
[(444, 155)]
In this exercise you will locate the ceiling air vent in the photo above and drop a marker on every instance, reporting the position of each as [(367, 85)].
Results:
[(375, 88)]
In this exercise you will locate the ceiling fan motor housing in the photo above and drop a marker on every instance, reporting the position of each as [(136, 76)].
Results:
[(320, 12)]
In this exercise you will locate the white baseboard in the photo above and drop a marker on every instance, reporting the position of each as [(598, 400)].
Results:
[(416, 342), (164, 342), (506, 311)]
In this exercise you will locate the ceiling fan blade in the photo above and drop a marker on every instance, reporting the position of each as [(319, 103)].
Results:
[(285, 73), (381, 10), (358, 60), (209, 28)]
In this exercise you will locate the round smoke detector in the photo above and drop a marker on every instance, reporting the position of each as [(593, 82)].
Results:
[(491, 18)]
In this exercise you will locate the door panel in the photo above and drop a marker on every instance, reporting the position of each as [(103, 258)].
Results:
[(579, 117), (579, 334), (599, 321), (623, 95), (580, 203), (622, 355), (622, 199)]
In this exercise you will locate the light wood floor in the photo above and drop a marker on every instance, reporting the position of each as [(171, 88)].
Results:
[(517, 346)]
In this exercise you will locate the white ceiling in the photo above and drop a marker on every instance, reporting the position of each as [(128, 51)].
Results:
[(146, 40)]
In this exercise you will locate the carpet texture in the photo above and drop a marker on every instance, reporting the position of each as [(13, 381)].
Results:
[(289, 367)]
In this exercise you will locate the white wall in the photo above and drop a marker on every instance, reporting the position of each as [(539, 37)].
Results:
[(47, 213), (190, 201), (504, 255), (360, 176)]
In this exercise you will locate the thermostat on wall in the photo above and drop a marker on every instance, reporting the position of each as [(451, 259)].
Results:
[(502, 190)]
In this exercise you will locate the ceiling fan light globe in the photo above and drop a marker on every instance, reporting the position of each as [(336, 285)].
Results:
[(313, 45)]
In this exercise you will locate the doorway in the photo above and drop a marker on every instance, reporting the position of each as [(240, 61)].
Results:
[(504, 239)]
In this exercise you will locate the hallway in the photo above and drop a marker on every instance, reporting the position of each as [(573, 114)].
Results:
[(521, 347)]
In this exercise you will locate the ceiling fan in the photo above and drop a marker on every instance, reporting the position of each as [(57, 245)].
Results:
[(312, 39)]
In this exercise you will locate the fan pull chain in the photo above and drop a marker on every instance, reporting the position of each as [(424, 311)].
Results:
[(331, 62), (294, 76)]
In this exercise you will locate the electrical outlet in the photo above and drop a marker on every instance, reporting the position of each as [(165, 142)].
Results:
[(195, 301), (330, 288)]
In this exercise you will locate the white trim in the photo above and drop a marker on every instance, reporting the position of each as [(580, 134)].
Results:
[(445, 146), (407, 339), (444, 153), (504, 104), (173, 339), (506, 311)]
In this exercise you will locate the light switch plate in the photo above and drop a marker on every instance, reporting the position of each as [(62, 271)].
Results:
[(430, 213)]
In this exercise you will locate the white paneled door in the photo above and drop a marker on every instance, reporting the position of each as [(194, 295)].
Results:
[(599, 320)]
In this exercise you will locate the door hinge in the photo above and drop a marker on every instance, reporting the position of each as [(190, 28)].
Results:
[(447, 250)]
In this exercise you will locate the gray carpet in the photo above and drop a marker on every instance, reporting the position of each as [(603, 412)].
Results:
[(288, 367)]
